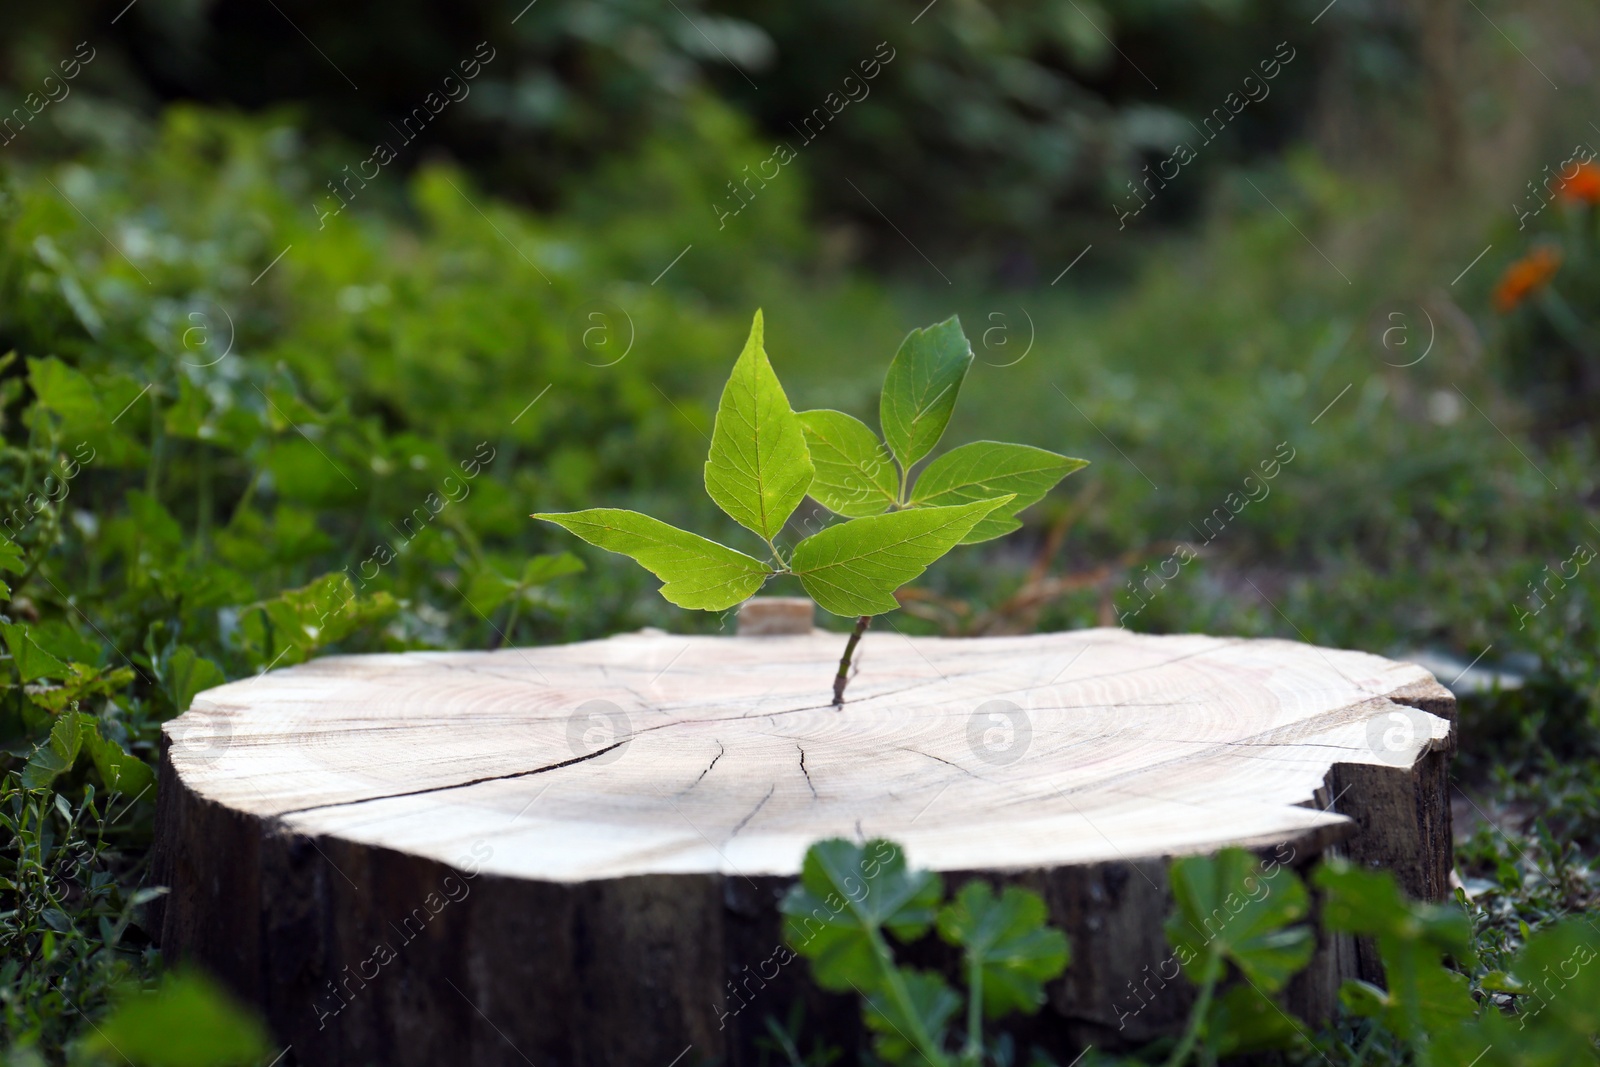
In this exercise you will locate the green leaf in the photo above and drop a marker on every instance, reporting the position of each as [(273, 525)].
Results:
[(292, 625), (847, 893), (1008, 940), (1427, 996), (1243, 1020), (120, 770), (856, 475), (919, 392), (84, 410), (758, 470), (492, 584), (488, 589), (1228, 908), (80, 683), (1371, 903), (931, 1001), (546, 568), (1424, 996), (74, 733), (10, 560), (1497, 1040), (64, 390), (57, 753), (185, 416), (695, 572), (1501, 982), (984, 470), (1559, 971), (1364, 998), (855, 567), (187, 1022), (189, 673), (59, 639), (31, 661), (307, 473)]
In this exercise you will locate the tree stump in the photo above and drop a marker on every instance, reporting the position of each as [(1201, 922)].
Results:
[(573, 855)]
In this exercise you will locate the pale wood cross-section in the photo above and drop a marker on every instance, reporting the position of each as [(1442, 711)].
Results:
[(630, 809)]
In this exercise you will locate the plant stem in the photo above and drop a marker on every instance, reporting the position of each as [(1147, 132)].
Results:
[(1571, 328), (1197, 1017), (973, 1054), (843, 677), (202, 522), (895, 986), (503, 635), (1366, 1046), (785, 1042)]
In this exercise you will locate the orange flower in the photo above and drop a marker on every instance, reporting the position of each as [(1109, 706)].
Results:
[(1528, 274), (1584, 185)]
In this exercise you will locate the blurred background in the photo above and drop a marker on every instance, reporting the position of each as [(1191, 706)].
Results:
[(310, 305)]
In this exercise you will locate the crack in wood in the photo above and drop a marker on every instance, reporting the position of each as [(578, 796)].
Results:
[(773, 788), (456, 785), (720, 750), (805, 772), (944, 761)]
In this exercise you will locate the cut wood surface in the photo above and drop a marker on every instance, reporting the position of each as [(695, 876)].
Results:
[(630, 809)]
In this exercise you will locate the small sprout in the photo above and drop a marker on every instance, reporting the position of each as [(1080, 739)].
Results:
[(766, 458)]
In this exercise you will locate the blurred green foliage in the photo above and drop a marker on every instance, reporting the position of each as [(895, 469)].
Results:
[(1002, 129), (851, 900), (185, 1022), (1236, 935), (234, 439), (235, 436)]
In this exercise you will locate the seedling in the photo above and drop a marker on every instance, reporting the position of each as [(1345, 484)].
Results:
[(765, 458)]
